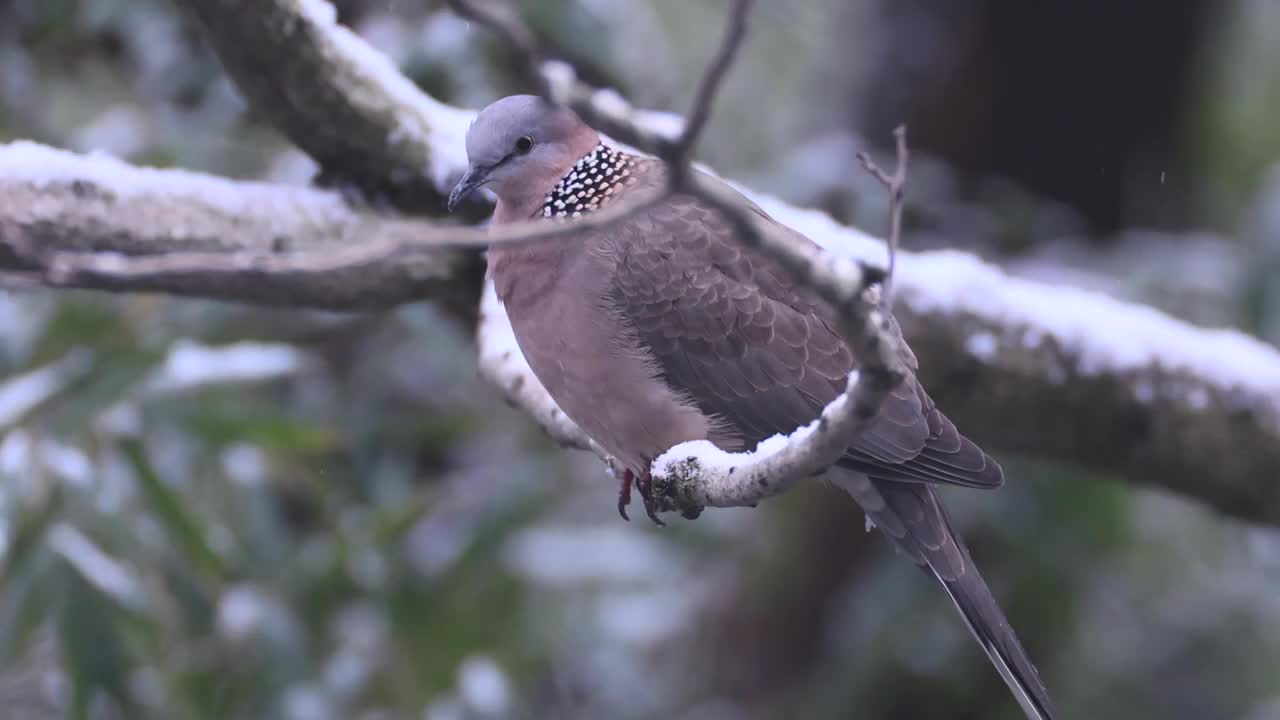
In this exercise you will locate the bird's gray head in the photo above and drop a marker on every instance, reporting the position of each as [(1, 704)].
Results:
[(520, 147)]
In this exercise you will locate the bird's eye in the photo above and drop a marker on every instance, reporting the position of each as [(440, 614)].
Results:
[(524, 144)]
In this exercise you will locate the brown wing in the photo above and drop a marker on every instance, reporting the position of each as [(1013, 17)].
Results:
[(727, 326)]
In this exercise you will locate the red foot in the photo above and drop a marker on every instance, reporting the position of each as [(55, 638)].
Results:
[(645, 486), (624, 494)]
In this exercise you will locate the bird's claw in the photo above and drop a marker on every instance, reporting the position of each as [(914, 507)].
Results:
[(624, 494), (645, 485)]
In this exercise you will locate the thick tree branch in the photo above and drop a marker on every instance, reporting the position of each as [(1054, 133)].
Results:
[(1075, 376), (69, 220), (1023, 366), (1030, 367), (337, 98)]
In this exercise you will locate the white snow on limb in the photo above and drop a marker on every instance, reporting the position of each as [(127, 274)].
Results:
[(42, 166), (824, 230), (699, 473), (667, 124), (1105, 335), (418, 115), (320, 12)]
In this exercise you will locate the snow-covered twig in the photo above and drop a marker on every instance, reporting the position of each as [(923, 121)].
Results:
[(698, 474)]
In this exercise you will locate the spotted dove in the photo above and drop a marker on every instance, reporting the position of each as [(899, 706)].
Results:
[(662, 328)]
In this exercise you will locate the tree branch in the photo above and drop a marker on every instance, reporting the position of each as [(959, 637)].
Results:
[(734, 34), (70, 220), (1028, 367), (896, 184), (338, 99), (1074, 376)]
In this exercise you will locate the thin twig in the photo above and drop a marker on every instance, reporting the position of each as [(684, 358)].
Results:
[(700, 112), (896, 185)]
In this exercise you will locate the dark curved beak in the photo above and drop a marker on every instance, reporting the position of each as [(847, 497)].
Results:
[(474, 178)]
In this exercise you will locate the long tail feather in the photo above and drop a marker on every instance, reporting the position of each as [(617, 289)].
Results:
[(992, 631), (912, 515)]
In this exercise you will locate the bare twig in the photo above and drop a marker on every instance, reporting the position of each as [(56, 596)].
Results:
[(700, 112), (896, 185)]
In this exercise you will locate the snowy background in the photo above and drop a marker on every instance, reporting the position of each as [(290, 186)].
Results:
[(215, 511)]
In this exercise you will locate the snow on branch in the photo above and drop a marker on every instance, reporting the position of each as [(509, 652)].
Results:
[(1074, 375), (1169, 404), (1023, 366), (698, 474), (91, 221), (337, 98)]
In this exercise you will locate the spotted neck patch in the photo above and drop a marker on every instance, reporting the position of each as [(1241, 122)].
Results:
[(590, 183)]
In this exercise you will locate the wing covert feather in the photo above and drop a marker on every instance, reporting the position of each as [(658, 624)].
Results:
[(726, 326)]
